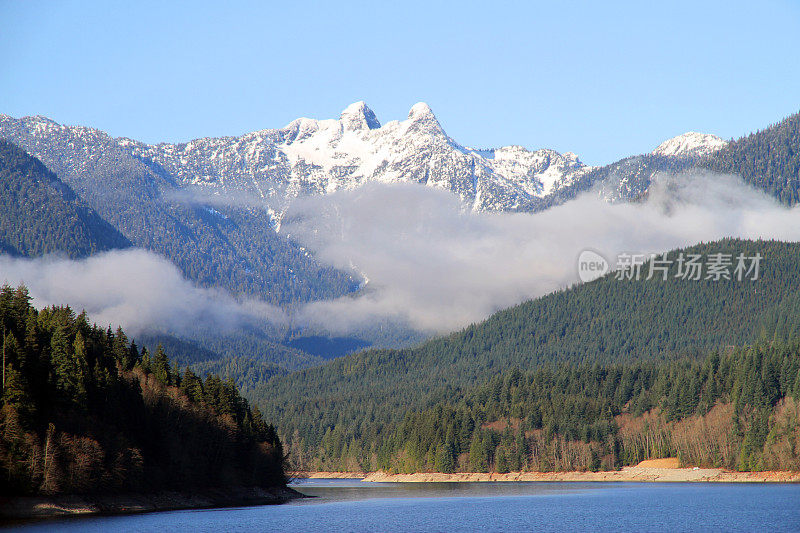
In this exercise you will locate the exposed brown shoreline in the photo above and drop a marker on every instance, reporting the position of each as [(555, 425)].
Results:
[(706, 475), (330, 475), (38, 507), (644, 472)]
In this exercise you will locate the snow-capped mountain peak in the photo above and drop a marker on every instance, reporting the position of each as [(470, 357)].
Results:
[(422, 120), (691, 144), (421, 111), (312, 157), (358, 116)]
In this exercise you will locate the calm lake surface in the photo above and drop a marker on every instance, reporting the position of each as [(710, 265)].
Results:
[(351, 505)]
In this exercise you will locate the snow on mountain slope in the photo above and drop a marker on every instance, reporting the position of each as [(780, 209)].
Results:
[(691, 144), (233, 246), (317, 157), (321, 156)]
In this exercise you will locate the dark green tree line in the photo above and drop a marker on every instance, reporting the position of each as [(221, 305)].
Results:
[(84, 410)]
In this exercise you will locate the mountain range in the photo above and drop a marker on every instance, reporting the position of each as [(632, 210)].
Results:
[(269, 168), (322, 156), (214, 206)]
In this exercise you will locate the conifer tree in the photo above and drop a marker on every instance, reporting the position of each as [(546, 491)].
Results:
[(160, 366), (145, 360), (121, 350), (478, 455), (64, 367), (81, 370)]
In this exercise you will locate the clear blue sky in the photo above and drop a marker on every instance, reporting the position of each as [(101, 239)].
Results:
[(601, 79)]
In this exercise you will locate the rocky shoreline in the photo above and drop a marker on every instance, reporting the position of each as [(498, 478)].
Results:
[(36, 507)]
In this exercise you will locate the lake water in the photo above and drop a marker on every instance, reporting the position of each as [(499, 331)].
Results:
[(351, 505)]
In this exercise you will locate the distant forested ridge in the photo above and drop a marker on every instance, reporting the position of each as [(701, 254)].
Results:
[(41, 214), (768, 159), (359, 398), (250, 374), (84, 411), (208, 347)]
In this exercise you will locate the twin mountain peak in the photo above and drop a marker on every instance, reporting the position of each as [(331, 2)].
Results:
[(316, 157)]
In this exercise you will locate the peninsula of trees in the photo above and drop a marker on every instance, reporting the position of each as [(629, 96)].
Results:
[(85, 411)]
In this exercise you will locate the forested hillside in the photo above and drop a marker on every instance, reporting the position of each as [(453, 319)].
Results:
[(608, 321), (85, 411), (250, 374), (768, 159), (43, 215), (625, 180), (210, 347), (739, 409)]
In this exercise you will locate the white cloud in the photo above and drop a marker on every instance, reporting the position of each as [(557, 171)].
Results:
[(431, 262), (135, 288), (439, 266)]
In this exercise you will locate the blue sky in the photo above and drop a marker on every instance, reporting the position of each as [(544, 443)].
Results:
[(601, 79)]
